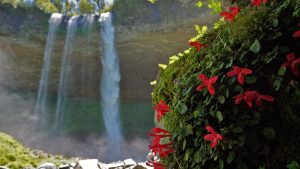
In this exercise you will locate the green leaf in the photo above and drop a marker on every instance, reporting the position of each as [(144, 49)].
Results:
[(152, 1), (238, 88), (221, 164), (183, 144), (221, 99), (281, 71), (199, 4), (181, 108), (186, 156), (293, 165), (275, 23), (197, 157), (227, 93), (269, 132), (200, 112), (188, 130), (237, 130), (231, 80), (219, 116), (251, 79), (230, 157), (197, 28), (255, 47), (277, 84)]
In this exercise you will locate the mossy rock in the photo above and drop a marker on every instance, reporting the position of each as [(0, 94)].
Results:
[(264, 136), (15, 156)]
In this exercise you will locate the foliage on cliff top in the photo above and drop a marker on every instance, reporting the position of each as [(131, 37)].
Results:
[(15, 156), (265, 136)]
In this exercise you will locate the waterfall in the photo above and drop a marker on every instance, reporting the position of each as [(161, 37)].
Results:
[(41, 103), (110, 89), (65, 72), (86, 58)]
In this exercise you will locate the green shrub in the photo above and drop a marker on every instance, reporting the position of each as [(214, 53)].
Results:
[(265, 136), (16, 156)]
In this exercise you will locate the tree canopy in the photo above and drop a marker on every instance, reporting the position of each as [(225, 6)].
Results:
[(71, 7)]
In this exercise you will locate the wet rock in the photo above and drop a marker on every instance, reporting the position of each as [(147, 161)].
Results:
[(87, 164), (47, 166)]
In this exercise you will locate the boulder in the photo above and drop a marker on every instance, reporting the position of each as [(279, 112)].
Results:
[(87, 164), (47, 166), (129, 162)]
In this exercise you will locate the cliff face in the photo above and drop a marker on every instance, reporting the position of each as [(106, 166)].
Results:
[(146, 35)]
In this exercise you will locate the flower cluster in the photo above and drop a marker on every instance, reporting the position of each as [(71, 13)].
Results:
[(292, 63), (159, 149), (161, 109), (210, 83), (213, 137), (230, 15), (197, 45), (207, 83), (251, 96)]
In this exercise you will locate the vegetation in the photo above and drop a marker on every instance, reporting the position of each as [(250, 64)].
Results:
[(16, 156), (257, 130), (54, 6)]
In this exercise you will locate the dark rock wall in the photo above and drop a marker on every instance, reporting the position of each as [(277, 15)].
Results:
[(146, 35)]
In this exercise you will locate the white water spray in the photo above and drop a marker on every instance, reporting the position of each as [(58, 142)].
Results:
[(41, 103), (65, 72), (110, 88)]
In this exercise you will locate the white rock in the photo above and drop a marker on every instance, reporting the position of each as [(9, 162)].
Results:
[(87, 164), (129, 162), (47, 166), (72, 165), (3, 167), (115, 165), (64, 166)]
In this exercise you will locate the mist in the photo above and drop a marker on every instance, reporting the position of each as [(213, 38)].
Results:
[(17, 118)]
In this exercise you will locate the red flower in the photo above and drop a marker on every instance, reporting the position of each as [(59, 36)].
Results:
[(161, 109), (239, 72), (258, 2), (251, 96), (156, 147), (292, 63), (230, 15), (158, 133), (197, 45), (297, 33), (155, 165), (207, 83), (213, 137)]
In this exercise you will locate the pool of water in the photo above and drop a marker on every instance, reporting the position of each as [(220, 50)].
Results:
[(81, 132), (83, 116)]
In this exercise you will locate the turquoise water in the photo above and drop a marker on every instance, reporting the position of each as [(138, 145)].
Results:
[(82, 116)]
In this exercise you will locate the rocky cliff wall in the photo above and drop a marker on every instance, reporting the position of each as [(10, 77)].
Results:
[(146, 35)]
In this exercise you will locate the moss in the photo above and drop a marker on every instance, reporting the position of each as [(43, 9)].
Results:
[(259, 39), (15, 156)]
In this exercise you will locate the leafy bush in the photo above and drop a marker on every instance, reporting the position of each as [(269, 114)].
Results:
[(16, 156), (262, 135)]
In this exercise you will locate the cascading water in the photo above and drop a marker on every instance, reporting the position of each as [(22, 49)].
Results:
[(110, 88), (65, 72), (86, 58), (40, 108)]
